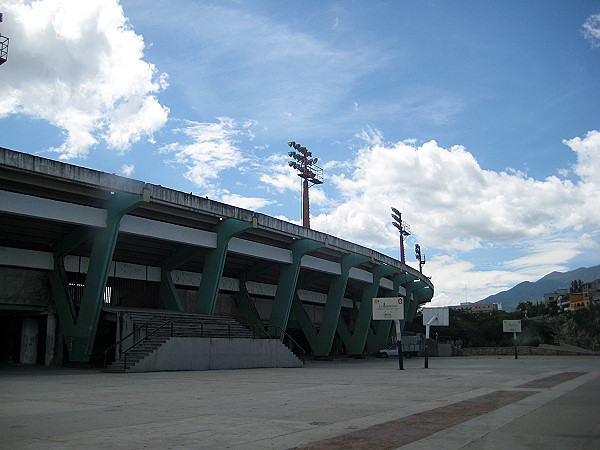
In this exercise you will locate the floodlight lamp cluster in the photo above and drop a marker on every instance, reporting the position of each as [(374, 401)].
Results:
[(402, 226), (304, 164), (3, 46), (419, 256)]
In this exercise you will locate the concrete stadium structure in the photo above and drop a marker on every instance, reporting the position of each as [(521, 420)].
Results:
[(82, 250)]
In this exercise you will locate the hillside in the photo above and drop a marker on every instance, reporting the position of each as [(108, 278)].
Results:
[(535, 291)]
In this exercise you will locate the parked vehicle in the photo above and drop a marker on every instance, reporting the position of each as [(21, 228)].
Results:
[(411, 346), (392, 351)]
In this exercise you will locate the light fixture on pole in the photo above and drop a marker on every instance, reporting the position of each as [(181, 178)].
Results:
[(403, 228), (3, 46), (420, 258), (308, 170)]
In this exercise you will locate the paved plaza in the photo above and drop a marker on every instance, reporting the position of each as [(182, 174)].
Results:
[(471, 402)]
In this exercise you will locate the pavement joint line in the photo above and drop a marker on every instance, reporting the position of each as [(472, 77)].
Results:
[(343, 427), (551, 380), (467, 432), (412, 428), (54, 401)]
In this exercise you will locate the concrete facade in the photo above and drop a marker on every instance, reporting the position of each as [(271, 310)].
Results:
[(217, 353), (75, 240)]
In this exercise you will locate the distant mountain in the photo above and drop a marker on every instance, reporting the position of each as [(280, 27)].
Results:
[(535, 291)]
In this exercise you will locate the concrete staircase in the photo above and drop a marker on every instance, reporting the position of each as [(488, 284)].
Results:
[(183, 341)]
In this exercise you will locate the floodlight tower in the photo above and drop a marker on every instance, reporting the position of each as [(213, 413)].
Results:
[(3, 46), (420, 258), (403, 228), (309, 171)]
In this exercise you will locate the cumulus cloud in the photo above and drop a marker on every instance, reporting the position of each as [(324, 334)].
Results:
[(455, 206), (210, 148), (127, 170), (251, 203), (460, 281), (591, 30), (278, 174), (452, 202), (80, 66)]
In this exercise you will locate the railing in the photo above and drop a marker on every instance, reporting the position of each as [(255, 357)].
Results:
[(135, 344), (263, 329), (257, 331), (135, 330), (123, 353)]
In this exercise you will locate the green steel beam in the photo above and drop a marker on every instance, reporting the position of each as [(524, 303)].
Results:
[(405, 280), (72, 240), (381, 329), (286, 287), (242, 296), (322, 343), (356, 344), (414, 305), (305, 324), (423, 294), (257, 270), (80, 330), (62, 297), (168, 291), (214, 263), (247, 306)]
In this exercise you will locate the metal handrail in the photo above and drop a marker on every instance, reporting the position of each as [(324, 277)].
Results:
[(262, 329), (143, 339), (135, 330)]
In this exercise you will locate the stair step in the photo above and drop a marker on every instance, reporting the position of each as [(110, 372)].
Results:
[(184, 325)]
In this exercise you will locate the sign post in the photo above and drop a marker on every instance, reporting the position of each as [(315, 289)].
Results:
[(513, 326), (434, 316), (391, 308)]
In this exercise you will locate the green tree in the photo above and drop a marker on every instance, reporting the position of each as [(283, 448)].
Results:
[(576, 287)]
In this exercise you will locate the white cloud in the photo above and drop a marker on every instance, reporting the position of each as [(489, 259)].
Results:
[(318, 197), (79, 66), (211, 148), (543, 257), (251, 203), (451, 202), (454, 205), (278, 174), (591, 30), (267, 68), (127, 170)]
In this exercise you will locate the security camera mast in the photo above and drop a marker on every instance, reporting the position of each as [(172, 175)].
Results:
[(308, 170)]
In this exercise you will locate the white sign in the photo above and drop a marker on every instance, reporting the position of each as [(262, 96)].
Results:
[(388, 308), (439, 317), (511, 326)]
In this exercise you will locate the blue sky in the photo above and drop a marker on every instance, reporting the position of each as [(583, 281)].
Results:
[(478, 120)]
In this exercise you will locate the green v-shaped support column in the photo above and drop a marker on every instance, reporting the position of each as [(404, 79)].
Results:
[(321, 341), (79, 329), (214, 262), (423, 294), (168, 292), (355, 342), (242, 296), (286, 287)]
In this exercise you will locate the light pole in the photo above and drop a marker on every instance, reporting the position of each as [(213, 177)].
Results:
[(308, 171), (3, 46), (420, 258), (403, 228)]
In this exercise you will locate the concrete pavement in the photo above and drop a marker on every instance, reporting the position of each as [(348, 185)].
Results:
[(472, 402)]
